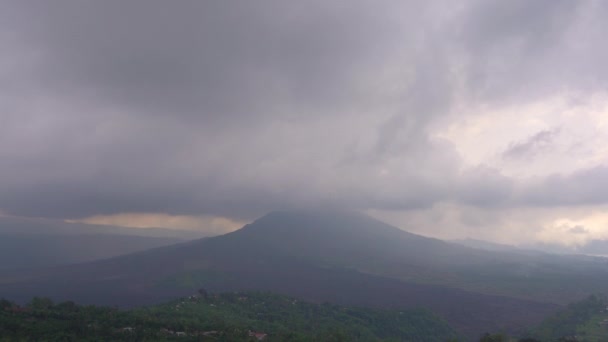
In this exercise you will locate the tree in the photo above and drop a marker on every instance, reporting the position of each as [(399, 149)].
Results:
[(68, 306), (4, 304), (493, 338), (40, 303)]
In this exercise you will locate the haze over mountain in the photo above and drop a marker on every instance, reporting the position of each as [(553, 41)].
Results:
[(592, 247), (597, 247)]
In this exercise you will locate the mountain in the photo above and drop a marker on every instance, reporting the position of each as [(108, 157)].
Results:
[(596, 247), (340, 257), (29, 243), (359, 242), (485, 245)]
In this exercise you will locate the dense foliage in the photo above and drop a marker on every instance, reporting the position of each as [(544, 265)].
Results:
[(586, 320), (224, 317)]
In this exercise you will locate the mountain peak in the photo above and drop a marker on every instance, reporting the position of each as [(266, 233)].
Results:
[(313, 215), (322, 222), (325, 233)]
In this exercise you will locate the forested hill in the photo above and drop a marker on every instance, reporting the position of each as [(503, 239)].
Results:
[(224, 317), (586, 320), (582, 321)]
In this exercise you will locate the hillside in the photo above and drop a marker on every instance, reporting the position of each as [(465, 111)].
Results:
[(226, 316), (358, 242), (35, 243), (34, 251), (587, 320), (11, 225), (342, 258)]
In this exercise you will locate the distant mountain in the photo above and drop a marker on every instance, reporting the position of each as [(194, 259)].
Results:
[(34, 251), (29, 243), (498, 247), (485, 245), (340, 257), (596, 247), (41, 226)]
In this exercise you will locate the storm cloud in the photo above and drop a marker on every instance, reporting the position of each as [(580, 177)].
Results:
[(236, 108)]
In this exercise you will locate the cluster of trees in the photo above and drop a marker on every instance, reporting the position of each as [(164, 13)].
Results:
[(222, 317), (239, 316), (580, 321), (504, 338), (583, 321)]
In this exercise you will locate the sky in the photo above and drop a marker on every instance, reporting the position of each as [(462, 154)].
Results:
[(485, 119)]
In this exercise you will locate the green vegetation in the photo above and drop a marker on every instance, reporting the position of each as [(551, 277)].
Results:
[(586, 320), (223, 317), (558, 279)]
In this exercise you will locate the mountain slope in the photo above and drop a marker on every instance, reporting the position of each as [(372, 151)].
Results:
[(33, 242), (29, 251), (39, 226), (586, 319), (367, 245), (321, 256)]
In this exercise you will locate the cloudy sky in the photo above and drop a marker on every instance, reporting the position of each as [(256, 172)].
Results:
[(474, 118)]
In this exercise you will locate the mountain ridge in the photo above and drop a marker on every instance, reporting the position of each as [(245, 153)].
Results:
[(337, 257)]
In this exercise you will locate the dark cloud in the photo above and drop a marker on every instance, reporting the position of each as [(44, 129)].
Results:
[(240, 107), (522, 49), (210, 61)]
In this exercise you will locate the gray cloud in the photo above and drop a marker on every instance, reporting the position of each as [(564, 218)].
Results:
[(532, 146), (584, 187), (522, 50), (236, 108), (578, 230)]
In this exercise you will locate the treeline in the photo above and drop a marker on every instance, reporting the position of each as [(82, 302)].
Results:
[(222, 317), (584, 321)]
